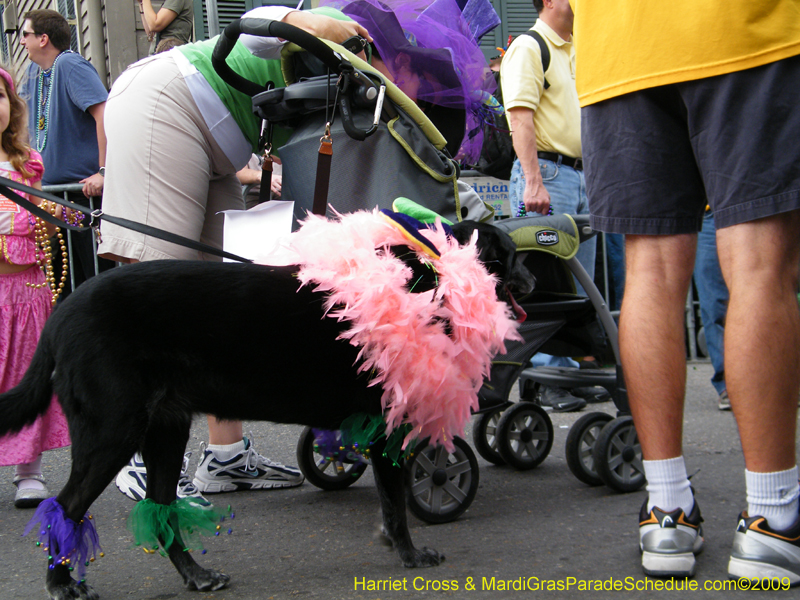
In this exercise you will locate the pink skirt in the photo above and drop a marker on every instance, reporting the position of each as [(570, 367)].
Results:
[(23, 312)]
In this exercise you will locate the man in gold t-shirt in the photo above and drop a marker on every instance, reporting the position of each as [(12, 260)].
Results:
[(687, 103)]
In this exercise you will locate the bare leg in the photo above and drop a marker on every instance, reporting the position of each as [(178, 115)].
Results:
[(658, 273), (759, 261), (223, 433)]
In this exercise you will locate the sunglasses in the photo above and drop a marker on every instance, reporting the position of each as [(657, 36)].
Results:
[(25, 34)]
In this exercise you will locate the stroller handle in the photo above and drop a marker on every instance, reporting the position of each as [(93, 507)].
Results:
[(267, 28), (366, 92)]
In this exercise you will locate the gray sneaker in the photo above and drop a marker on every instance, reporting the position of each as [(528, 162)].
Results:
[(669, 541), (559, 400), (724, 401), (759, 552), (30, 497)]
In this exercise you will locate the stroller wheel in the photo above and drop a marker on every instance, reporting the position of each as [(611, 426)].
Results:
[(441, 485), (484, 436), (524, 435), (618, 456), (580, 446), (337, 474)]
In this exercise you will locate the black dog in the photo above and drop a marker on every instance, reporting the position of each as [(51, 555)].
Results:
[(166, 342)]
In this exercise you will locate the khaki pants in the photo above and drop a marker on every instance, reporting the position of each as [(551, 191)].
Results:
[(163, 167)]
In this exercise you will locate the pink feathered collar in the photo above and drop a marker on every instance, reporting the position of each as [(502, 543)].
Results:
[(430, 373)]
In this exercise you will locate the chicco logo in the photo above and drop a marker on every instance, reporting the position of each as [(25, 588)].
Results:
[(547, 238)]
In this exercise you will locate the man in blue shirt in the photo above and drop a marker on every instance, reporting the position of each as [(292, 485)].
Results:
[(66, 101)]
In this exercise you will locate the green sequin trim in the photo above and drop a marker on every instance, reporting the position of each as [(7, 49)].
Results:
[(153, 525), (361, 430)]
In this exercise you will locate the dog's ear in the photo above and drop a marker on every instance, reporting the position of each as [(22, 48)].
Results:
[(489, 243), (462, 232)]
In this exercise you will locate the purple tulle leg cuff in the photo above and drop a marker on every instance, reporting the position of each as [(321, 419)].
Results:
[(64, 541)]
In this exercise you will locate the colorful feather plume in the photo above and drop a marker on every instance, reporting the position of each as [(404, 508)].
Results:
[(429, 351)]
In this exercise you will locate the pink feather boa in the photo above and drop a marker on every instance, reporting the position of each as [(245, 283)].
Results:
[(430, 379)]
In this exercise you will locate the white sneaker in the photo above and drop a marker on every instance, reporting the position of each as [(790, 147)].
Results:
[(132, 480), (247, 470), (186, 487)]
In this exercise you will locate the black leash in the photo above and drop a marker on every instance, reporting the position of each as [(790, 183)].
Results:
[(7, 186)]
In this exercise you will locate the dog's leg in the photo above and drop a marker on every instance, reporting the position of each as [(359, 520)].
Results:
[(390, 481), (97, 456), (162, 452)]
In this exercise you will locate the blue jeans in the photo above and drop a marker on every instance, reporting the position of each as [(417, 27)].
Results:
[(713, 296), (567, 189)]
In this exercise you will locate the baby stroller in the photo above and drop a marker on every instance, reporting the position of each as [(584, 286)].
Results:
[(375, 125), (600, 449)]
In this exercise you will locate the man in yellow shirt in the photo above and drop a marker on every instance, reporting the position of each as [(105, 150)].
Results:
[(544, 118), (683, 102)]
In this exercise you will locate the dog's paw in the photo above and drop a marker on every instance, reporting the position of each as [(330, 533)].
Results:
[(72, 591), (426, 557), (208, 581)]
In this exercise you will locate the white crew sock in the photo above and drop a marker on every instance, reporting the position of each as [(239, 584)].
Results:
[(227, 451), (667, 485), (773, 496), (32, 468)]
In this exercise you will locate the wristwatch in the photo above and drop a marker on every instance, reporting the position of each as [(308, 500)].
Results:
[(102, 171)]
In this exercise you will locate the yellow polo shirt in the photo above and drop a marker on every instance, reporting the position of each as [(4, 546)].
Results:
[(557, 116), (629, 45)]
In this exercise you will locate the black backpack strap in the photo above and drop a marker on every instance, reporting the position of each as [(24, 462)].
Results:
[(545, 53)]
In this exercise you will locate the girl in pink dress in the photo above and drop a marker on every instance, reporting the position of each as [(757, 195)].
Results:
[(27, 292)]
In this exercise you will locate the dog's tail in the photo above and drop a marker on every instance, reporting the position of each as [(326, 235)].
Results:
[(21, 405)]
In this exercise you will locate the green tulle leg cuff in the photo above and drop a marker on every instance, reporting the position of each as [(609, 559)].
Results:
[(153, 525), (362, 430)]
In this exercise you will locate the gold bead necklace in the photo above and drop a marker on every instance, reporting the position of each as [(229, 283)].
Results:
[(44, 254)]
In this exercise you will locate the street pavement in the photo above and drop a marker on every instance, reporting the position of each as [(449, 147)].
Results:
[(530, 527)]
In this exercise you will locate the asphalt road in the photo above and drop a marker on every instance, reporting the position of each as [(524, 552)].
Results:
[(535, 526)]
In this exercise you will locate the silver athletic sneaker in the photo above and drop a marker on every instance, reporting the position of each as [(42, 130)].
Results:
[(247, 470), (669, 541), (760, 552)]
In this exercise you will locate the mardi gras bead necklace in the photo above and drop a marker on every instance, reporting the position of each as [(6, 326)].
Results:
[(44, 255), (43, 104)]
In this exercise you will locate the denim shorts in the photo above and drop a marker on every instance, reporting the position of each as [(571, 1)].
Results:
[(656, 157)]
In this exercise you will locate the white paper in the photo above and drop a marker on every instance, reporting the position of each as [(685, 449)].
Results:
[(256, 232)]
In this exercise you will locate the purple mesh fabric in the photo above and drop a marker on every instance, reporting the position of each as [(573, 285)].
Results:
[(69, 543), (453, 71), (481, 16)]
